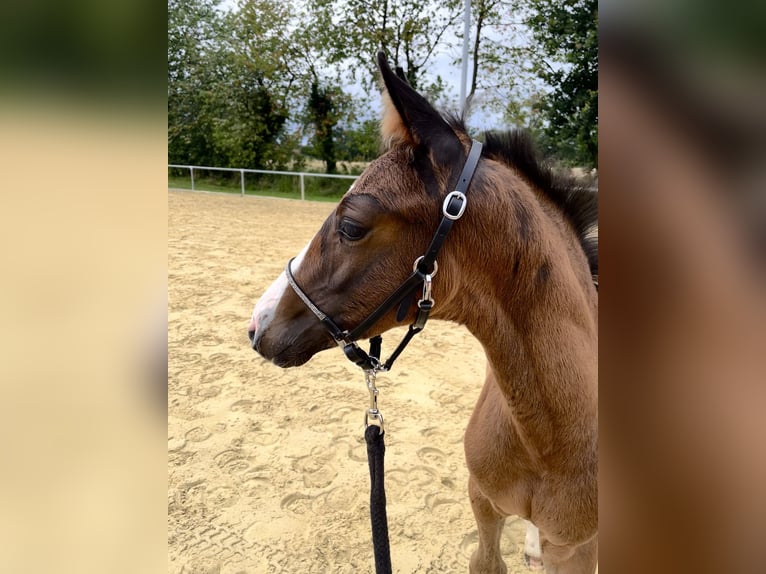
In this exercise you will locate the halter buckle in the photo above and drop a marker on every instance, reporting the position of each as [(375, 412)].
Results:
[(447, 200)]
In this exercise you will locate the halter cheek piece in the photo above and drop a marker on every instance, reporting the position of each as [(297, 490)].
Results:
[(424, 269)]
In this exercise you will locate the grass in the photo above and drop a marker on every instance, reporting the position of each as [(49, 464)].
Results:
[(286, 186)]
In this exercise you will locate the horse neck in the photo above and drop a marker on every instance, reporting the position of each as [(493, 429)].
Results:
[(524, 290)]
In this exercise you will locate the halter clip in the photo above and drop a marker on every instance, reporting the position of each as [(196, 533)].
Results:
[(372, 412)]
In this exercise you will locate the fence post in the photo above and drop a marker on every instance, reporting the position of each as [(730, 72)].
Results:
[(191, 170), (242, 175), (303, 189)]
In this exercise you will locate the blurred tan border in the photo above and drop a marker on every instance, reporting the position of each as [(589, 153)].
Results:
[(83, 212), (682, 383)]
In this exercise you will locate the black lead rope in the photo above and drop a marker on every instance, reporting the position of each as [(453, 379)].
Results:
[(376, 450)]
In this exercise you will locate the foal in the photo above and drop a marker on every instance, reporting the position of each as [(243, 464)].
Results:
[(517, 270)]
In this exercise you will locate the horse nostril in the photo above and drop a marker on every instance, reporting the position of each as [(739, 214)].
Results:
[(255, 334)]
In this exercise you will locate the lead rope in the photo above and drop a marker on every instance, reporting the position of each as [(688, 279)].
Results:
[(376, 450), (374, 433)]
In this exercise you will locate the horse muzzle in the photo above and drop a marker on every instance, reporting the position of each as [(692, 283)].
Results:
[(284, 353), (287, 343)]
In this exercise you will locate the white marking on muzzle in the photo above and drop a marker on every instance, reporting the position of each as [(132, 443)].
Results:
[(263, 313)]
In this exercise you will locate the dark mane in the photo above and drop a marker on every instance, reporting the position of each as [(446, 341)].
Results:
[(577, 200)]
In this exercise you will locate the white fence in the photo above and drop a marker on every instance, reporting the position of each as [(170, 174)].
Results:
[(242, 173)]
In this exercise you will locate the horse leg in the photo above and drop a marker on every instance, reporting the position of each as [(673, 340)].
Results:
[(486, 558), (580, 559)]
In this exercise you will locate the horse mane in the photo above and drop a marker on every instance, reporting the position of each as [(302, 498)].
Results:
[(576, 198)]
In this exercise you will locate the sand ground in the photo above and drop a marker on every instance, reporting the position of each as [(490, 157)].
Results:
[(267, 467)]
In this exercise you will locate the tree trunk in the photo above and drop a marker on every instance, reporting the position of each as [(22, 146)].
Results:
[(476, 43)]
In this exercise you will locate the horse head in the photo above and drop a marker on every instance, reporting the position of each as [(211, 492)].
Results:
[(367, 246)]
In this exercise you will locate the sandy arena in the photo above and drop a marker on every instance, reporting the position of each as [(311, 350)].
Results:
[(267, 467)]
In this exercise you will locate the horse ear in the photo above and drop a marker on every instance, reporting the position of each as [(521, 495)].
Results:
[(400, 73), (409, 118)]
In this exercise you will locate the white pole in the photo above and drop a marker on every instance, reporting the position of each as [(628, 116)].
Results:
[(466, 40), (242, 179), (303, 189), (191, 170)]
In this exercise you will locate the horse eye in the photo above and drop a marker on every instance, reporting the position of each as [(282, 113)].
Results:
[(351, 230)]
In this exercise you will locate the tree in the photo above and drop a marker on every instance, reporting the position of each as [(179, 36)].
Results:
[(567, 32), (359, 142), (323, 116), (247, 86), (249, 122), (501, 59), (229, 84), (485, 13), (408, 31), (258, 85), (194, 29)]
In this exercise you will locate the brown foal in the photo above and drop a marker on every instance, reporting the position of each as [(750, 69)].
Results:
[(517, 270)]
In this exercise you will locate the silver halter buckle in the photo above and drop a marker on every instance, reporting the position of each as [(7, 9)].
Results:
[(463, 204)]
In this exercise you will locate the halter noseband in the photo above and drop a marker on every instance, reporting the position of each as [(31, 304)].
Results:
[(424, 268)]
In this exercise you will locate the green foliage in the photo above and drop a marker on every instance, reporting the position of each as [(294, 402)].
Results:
[(408, 31), (264, 84), (193, 26), (360, 143), (322, 110), (567, 32), (225, 98), (250, 124)]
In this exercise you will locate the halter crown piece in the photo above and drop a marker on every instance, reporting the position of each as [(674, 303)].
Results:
[(424, 269)]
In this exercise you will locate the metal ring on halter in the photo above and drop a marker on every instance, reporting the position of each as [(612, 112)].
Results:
[(445, 205), (417, 262)]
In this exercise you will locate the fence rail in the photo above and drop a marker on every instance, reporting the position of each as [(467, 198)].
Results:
[(242, 172)]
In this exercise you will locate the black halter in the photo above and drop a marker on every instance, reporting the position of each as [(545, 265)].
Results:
[(424, 269)]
